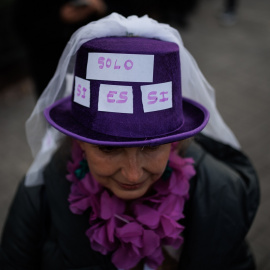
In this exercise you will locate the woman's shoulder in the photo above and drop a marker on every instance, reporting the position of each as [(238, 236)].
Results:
[(54, 174), (224, 197), (221, 164), (225, 188), (225, 177)]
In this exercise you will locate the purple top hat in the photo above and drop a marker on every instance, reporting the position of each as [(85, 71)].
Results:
[(127, 92)]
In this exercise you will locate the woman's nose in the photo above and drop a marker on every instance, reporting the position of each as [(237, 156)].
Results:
[(132, 169)]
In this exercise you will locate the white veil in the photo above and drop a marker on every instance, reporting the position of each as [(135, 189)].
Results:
[(44, 140)]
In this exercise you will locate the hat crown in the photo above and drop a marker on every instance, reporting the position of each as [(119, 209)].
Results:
[(128, 87)]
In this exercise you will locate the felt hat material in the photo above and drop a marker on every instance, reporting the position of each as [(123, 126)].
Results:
[(127, 92)]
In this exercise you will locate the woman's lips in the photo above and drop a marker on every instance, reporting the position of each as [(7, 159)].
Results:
[(130, 186)]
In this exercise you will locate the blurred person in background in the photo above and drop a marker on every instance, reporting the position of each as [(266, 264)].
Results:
[(228, 17)]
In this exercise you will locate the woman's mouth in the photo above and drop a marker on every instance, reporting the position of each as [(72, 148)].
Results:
[(130, 186)]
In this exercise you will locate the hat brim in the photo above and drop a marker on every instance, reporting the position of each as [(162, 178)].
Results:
[(60, 117)]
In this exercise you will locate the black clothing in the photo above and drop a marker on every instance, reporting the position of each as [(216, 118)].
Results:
[(42, 233)]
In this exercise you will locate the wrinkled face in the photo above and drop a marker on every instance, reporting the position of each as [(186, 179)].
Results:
[(127, 172)]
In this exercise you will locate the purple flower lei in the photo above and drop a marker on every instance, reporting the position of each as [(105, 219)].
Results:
[(150, 222)]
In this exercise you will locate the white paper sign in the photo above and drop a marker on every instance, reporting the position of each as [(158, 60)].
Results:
[(120, 67), (82, 92), (115, 98), (157, 97)]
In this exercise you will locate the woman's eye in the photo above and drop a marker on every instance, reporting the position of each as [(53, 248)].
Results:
[(108, 149), (150, 148)]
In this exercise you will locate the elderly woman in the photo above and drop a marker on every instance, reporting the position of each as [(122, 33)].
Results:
[(138, 176)]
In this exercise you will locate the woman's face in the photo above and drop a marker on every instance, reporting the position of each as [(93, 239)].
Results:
[(127, 172)]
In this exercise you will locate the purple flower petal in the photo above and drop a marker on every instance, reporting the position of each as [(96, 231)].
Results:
[(130, 233), (111, 229), (125, 257), (173, 206), (99, 240), (156, 259), (90, 184), (170, 227), (110, 206), (151, 242), (78, 207), (147, 216)]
